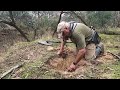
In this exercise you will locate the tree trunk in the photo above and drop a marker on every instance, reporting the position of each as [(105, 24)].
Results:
[(58, 22), (12, 23), (79, 17), (35, 31), (11, 17), (21, 32)]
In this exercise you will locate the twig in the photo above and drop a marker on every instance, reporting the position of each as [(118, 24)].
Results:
[(9, 71), (115, 55)]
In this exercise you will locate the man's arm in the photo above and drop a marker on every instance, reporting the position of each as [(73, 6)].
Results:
[(80, 55), (63, 42), (81, 44)]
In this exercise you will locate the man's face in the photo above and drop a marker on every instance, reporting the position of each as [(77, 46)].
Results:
[(62, 30), (63, 33)]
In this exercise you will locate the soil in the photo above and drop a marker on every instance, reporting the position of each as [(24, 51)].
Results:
[(54, 63), (60, 65), (24, 54)]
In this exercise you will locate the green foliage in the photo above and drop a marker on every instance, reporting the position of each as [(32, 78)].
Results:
[(99, 18), (44, 21)]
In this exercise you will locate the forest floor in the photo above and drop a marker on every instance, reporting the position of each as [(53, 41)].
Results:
[(42, 62)]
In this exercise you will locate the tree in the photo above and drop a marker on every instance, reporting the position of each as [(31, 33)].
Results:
[(58, 22), (99, 18), (12, 23), (78, 16)]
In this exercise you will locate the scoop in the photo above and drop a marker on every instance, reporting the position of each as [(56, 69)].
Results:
[(64, 55)]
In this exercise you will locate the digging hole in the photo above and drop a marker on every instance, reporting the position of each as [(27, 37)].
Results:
[(58, 63)]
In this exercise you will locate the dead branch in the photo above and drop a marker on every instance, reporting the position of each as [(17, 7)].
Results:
[(79, 17), (9, 71), (115, 55), (15, 26)]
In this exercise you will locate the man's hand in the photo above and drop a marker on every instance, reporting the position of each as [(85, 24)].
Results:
[(72, 68), (59, 52)]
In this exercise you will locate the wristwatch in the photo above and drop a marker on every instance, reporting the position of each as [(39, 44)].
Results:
[(74, 63)]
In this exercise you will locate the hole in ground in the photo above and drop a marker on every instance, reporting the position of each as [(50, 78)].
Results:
[(58, 63)]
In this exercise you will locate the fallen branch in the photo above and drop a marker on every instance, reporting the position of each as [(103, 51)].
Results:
[(115, 55), (58, 41), (9, 71)]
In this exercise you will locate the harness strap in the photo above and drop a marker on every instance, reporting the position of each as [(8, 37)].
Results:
[(72, 26)]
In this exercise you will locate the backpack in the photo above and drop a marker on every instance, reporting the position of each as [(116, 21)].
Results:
[(72, 25), (96, 38)]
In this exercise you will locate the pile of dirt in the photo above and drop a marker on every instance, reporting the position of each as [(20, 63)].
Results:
[(106, 58), (32, 52), (60, 65)]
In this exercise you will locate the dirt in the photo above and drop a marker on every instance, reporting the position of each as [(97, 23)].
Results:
[(55, 63), (24, 54), (60, 65), (8, 38)]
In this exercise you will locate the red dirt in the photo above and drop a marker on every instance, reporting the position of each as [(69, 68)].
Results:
[(61, 64)]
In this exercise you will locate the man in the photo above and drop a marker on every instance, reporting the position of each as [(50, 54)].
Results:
[(82, 36)]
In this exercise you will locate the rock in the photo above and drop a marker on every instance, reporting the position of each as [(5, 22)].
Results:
[(50, 48)]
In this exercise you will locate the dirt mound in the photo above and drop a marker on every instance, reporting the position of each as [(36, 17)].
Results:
[(60, 65), (36, 52), (106, 58)]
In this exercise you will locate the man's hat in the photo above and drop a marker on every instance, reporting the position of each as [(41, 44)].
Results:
[(61, 26)]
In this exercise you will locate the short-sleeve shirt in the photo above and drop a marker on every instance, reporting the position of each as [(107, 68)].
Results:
[(81, 35)]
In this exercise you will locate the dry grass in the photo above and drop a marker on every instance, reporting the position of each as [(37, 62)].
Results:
[(37, 57)]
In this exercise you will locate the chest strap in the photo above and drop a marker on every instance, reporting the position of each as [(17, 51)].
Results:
[(72, 26)]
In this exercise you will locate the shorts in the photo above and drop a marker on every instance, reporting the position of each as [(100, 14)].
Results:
[(93, 51), (90, 52)]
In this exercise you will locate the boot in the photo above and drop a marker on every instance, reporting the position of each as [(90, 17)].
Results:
[(101, 45), (99, 49)]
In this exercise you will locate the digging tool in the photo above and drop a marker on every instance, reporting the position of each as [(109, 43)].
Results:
[(49, 42), (45, 43), (64, 55)]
